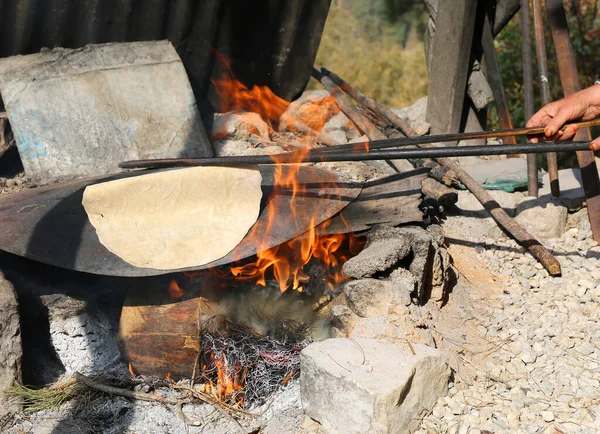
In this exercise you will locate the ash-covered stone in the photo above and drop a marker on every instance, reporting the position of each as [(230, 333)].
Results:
[(239, 126), (405, 284), (415, 115), (313, 109), (228, 148), (366, 386), (83, 334), (340, 126), (377, 256), (342, 320), (369, 298), (10, 346)]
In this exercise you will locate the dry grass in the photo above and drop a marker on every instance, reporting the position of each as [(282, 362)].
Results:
[(47, 398), (381, 69)]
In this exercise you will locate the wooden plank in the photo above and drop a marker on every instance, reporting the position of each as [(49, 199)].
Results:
[(450, 59), (392, 200), (505, 10)]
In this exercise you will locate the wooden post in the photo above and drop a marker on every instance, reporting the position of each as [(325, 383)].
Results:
[(450, 59), (570, 83), (542, 63), (532, 181)]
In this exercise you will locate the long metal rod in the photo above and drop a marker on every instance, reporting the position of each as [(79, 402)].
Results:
[(542, 64), (501, 217), (310, 157), (441, 138), (569, 78), (532, 181)]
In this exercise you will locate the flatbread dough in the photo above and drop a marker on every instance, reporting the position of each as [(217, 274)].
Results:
[(175, 219)]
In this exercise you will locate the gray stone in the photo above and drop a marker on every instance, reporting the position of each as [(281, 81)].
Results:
[(369, 298), (404, 283), (543, 217), (415, 115), (579, 220), (528, 356), (10, 346), (369, 386), (341, 124), (377, 256)]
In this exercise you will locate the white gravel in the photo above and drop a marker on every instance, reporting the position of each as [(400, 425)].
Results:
[(544, 376)]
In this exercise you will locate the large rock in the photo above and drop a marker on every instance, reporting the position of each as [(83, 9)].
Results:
[(10, 345), (543, 217), (368, 386)]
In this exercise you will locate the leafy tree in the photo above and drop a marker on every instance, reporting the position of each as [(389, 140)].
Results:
[(357, 46)]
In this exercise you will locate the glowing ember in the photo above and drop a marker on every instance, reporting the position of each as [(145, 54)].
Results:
[(175, 290)]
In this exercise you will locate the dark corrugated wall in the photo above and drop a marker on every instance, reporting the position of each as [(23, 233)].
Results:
[(269, 42)]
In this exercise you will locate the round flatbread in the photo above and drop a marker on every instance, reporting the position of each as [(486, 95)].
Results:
[(175, 219)]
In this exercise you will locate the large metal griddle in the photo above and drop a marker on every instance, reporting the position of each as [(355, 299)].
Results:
[(49, 224)]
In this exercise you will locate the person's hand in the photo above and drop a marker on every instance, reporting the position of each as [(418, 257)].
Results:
[(580, 106)]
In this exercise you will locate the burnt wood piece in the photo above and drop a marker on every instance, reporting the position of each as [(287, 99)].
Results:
[(532, 181), (570, 83), (449, 62), (444, 195), (526, 240), (49, 224), (160, 338), (542, 64)]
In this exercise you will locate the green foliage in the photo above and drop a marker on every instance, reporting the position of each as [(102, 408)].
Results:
[(361, 52)]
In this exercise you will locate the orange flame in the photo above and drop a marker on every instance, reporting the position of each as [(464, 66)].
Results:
[(235, 95), (286, 262), (175, 290)]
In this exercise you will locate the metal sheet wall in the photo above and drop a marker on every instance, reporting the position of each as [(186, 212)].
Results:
[(269, 42)]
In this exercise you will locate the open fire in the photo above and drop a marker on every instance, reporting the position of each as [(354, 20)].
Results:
[(239, 360)]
